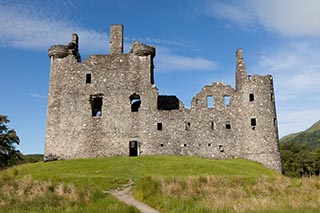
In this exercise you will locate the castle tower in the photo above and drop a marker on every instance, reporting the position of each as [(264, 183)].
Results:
[(260, 140)]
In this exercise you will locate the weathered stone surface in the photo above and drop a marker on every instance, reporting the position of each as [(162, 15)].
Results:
[(108, 105)]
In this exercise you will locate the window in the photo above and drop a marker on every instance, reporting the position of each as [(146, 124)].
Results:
[(227, 100), (228, 125), (185, 145), (212, 124), (209, 144), (251, 97), (272, 97), (253, 122), (88, 78), (210, 102), (96, 105), (249, 77), (188, 125), (135, 102), (221, 148), (159, 126), (161, 145), (274, 122)]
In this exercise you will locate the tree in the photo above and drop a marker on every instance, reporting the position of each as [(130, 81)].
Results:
[(8, 139)]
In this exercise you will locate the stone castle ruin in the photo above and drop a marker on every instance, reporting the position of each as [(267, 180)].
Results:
[(108, 105)]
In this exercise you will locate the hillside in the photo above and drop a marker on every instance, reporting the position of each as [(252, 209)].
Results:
[(310, 137), (170, 184)]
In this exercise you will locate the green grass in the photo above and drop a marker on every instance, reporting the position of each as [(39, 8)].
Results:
[(78, 185)]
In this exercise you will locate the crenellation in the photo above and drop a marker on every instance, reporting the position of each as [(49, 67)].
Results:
[(108, 105)]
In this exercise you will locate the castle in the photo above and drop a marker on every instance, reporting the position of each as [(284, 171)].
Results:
[(108, 105)]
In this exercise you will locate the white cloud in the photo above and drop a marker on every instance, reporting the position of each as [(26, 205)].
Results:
[(285, 17), (168, 61), (23, 28), (38, 96)]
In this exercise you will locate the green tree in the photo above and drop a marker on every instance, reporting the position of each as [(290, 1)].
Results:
[(8, 140)]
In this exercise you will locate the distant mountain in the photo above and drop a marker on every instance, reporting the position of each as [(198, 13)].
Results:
[(311, 137)]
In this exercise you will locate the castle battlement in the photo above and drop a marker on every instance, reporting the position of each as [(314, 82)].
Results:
[(108, 105)]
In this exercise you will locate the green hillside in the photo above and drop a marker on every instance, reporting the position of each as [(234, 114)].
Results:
[(310, 137), (170, 184)]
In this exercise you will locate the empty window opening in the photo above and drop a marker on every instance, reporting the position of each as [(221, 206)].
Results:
[(159, 126), (209, 144), (135, 102), (253, 122), (272, 97), (210, 102), (88, 78), (228, 125), (197, 101), (188, 125), (249, 77), (96, 105), (161, 145), (133, 148), (251, 97), (185, 145), (227, 100), (274, 122), (212, 125), (221, 148)]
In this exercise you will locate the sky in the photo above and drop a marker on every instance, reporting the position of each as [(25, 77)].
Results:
[(196, 42)]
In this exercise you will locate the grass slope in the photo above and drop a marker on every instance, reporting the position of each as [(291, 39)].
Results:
[(78, 185), (170, 183)]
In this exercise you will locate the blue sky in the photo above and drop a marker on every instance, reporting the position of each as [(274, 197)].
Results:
[(196, 42)]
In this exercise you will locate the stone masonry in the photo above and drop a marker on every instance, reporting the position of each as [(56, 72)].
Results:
[(108, 105)]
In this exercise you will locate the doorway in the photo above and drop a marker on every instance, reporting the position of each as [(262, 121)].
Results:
[(133, 148)]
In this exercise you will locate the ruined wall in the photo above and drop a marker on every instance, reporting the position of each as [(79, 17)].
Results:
[(108, 105)]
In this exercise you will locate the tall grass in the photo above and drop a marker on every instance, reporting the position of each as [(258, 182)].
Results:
[(78, 185), (230, 194), (28, 195)]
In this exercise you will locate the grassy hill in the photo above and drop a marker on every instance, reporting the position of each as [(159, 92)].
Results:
[(171, 184), (310, 137)]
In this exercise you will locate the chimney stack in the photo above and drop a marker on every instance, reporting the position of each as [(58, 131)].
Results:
[(116, 39)]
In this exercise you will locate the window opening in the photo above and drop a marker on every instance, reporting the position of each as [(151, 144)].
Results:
[(210, 102), (188, 125), (135, 102), (185, 145), (272, 97), (251, 97), (249, 77), (212, 124), (227, 100), (274, 122), (253, 122), (221, 148), (161, 145), (159, 126), (228, 125), (133, 148), (96, 105), (209, 144), (88, 78)]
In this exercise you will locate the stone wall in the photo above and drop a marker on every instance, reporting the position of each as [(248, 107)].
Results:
[(108, 105)]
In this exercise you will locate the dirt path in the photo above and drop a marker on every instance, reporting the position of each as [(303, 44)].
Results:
[(124, 194)]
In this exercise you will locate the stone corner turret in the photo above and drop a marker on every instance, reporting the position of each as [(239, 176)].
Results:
[(61, 51)]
